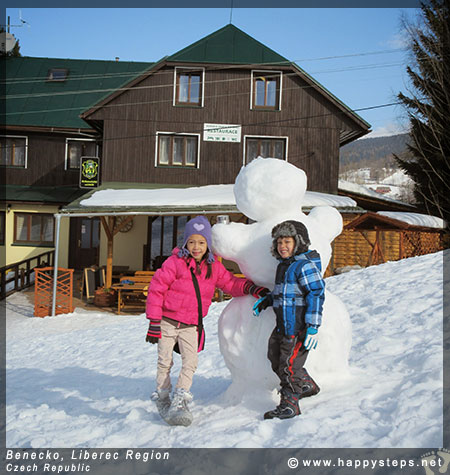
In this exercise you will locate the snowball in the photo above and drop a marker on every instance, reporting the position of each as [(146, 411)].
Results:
[(262, 176)]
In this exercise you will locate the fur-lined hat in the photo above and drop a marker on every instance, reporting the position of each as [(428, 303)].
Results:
[(293, 229)]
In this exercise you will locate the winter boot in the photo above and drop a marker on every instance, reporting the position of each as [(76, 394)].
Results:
[(308, 387), (162, 399), (287, 408), (178, 413)]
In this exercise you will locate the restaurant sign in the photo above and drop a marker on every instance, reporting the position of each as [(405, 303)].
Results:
[(221, 133)]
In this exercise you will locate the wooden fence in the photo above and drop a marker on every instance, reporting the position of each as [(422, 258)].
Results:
[(21, 273)]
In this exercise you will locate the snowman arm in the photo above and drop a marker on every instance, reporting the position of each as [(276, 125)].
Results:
[(313, 285), (229, 240)]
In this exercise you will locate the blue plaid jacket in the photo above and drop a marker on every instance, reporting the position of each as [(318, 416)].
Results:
[(299, 293)]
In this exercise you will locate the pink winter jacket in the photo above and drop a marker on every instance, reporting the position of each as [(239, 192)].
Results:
[(171, 292)]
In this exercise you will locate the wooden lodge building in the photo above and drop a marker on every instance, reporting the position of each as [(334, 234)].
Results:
[(190, 119)]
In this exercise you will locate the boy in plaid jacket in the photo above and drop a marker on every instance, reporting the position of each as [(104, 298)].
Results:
[(297, 301)]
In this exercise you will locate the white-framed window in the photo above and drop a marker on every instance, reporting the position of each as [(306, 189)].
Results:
[(188, 86), (264, 146), (34, 228), (266, 87), (77, 148), (14, 151), (177, 150)]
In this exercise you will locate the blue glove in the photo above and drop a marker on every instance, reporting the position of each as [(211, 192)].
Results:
[(261, 304), (311, 338)]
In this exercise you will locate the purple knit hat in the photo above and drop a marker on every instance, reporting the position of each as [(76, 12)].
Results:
[(198, 225)]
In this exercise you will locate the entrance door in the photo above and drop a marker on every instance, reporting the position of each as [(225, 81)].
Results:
[(84, 242)]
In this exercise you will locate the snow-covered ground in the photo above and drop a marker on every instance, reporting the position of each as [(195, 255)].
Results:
[(84, 379)]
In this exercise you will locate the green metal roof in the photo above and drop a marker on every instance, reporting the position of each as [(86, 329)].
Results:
[(228, 45), (33, 100), (42, 194)]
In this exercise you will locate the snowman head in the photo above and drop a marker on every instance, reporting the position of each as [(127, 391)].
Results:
[(268, 187)]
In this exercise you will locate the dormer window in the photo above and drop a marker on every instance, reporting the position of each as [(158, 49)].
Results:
[(188, 87), (266, 90), (57, 74)]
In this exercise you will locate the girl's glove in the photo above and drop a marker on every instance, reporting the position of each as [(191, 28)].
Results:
[(260, 305), (255, 290), (153, 332), (311, 338)]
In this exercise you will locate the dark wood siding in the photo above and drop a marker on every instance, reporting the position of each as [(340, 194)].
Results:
[(45, 161), (131, 121)]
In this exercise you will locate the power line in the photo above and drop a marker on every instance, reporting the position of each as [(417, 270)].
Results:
[(275, 122), (150, 64), (170, 85), (136, 88)]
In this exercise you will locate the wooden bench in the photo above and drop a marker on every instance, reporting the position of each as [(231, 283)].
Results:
[(132, 290), (133, 296)]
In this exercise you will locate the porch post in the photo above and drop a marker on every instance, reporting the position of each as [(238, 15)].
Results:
[(109, 228), (55, 264)]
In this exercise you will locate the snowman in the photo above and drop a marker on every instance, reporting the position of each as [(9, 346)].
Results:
[(269, 191)]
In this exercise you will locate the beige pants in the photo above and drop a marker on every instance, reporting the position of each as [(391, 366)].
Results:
[(187, 341)]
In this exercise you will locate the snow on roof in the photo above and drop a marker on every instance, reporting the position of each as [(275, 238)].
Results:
[(363, 190), (397, 178), (415, 219), (220, 195)]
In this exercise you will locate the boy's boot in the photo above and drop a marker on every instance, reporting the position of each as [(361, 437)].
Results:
[(178, 413), (308, 387), (287, 408), (162, 399)]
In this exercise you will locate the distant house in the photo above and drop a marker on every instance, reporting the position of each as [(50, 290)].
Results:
[(383, 189), (192, 118)]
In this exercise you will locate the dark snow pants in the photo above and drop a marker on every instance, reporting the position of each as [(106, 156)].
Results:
[(287, 357)]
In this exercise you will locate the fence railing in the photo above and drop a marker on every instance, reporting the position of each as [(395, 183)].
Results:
[(21, 273)]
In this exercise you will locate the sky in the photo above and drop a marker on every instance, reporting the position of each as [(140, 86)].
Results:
[(359, 54)]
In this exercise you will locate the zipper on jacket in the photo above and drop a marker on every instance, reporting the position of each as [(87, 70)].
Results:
[(284, 299)]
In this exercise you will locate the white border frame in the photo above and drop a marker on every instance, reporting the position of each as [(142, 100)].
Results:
[(285, 137), (158, 133), (26, 150), (251, 88), (67, 146), (174, 100)]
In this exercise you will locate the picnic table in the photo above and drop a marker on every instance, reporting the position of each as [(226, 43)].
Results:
[(132, 290)]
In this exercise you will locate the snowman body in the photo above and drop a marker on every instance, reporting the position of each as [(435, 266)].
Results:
[(270, 191)]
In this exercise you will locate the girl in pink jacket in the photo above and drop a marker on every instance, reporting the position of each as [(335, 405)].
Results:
[(179, 296)]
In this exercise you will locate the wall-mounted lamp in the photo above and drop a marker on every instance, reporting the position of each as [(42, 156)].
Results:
[(8, 208)]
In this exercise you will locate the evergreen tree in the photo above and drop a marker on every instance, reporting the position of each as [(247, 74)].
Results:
[(428, 108)]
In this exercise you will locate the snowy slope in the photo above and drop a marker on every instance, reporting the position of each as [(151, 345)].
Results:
[(84, 379)]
